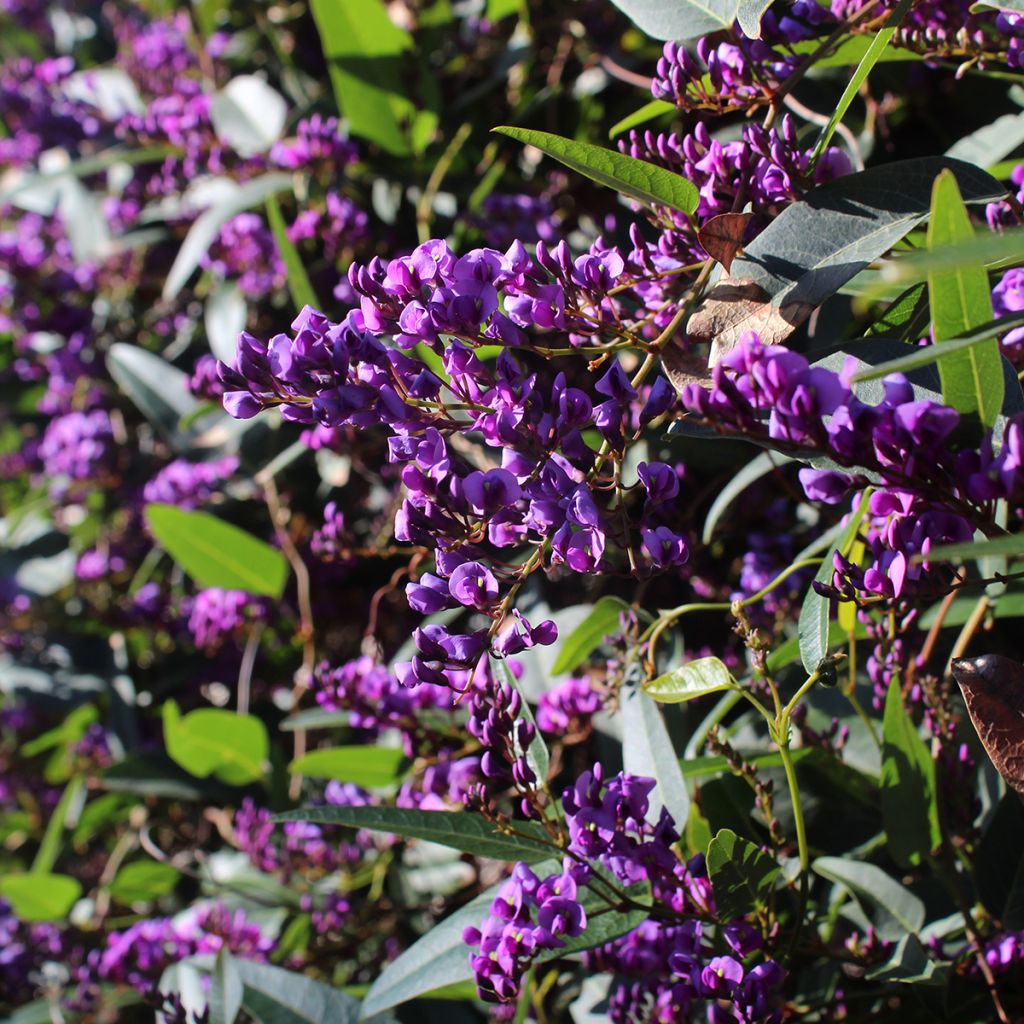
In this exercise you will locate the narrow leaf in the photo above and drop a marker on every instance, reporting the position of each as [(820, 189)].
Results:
[(649, 111), (813, 625), (298, 280), (907, 786), (462, 831), (637, 179), (537, 756), (604, 619), (867, 62), (896, 909), (370, 767), (761, 465), (647, 750), (972, 379), (215, 553)]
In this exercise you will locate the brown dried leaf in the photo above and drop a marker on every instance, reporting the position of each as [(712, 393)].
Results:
[(993, 689), (683, 368), (734, 307), (722, 236)]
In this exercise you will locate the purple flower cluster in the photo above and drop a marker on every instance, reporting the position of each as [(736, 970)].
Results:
[(926, 493), (77, 448), (24, 949), (668, 966), (245, 251), (567, 709), (216, 615), (188, 484), (528, 916), (139, 955)]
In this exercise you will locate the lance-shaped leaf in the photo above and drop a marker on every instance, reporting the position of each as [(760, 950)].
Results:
[(370, 767), (637, 179), (647, 750), (895, 909), (217, 554), (993, 689), (298, 280), (972, 379), (742, 874), (470, 833), (537, 756), (907, 786), (694, 679), (604, 619), (816, 245)]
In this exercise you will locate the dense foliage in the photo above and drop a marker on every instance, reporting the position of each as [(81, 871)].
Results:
[(511, 510)]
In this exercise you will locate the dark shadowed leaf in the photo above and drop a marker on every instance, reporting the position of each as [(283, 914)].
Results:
[(637, 179), (895, 910), (907, 786), (469, 833), (742, 874)]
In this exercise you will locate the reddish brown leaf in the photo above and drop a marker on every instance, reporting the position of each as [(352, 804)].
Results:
[(683, 368), (722, 236), (993, 689), (733, 308)]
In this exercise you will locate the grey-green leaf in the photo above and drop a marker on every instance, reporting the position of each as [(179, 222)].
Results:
[(637, 179), (467, 832), (680, 19), (896, 909), (815, 246), (647, 750)]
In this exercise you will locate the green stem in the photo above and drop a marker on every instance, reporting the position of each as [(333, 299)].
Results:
[(801, 836)]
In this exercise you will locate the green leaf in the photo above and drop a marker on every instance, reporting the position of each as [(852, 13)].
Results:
[(972, 379), (602, 620), (907, 785), (207, 225), (316, 718), (813, 625), (700, 767), (49, 848), (851, 51), (743, 875), (694, 679), (298, 280), (367, 54), (215, 553), (1000, 250), (212, 741), (1011, 545), (647, 750), (649, 111), (636, 179), (35, 896), (467, 832), (900, 315), (370, 767), (143, 880), (867, 62), (896, 910), (918, 356)]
